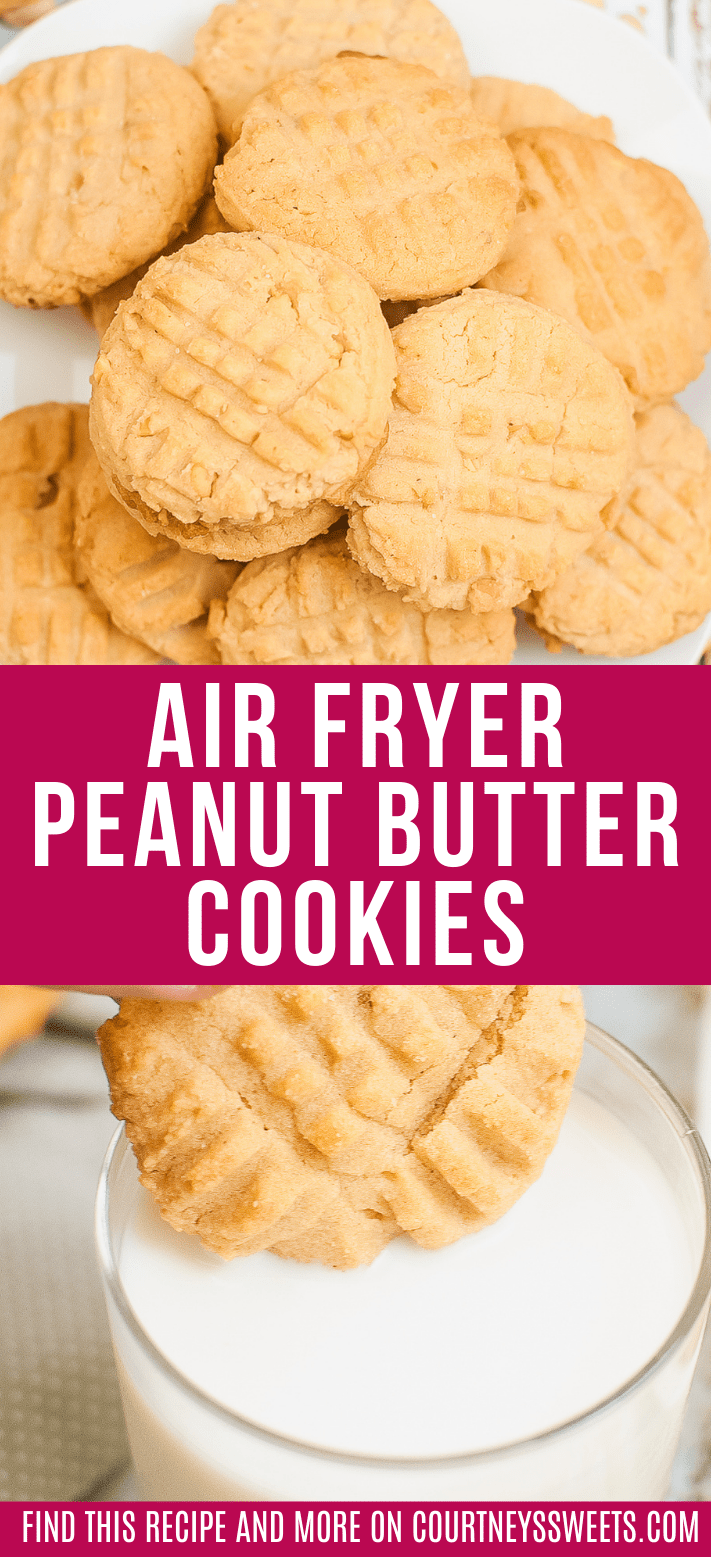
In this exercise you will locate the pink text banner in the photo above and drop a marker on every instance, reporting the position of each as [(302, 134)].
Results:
[(290, 1528)]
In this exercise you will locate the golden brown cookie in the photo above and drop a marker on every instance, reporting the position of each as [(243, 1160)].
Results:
[(647, 579), (227, 540), (314, 605), (153, 589), (48, 615), (618, 247), (100, 310), (520, 105), (380, 163), (245, 384), (320, 1122), (104, 158), (509, 433), (243, 47)]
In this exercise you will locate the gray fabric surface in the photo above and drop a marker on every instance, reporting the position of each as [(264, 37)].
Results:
[(61, 1427)]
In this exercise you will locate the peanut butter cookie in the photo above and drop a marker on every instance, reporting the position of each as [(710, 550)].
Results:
[(508, 435), (321, 1121), (48, 614), (617, 247), (518, 105), (380, 163), (245, 385), (104, 158), (154, 589), (647, 579), (100, 310), (226, 540), (313, 605), (243, 47)]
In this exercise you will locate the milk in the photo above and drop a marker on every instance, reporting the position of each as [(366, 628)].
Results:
[(443, 1357)]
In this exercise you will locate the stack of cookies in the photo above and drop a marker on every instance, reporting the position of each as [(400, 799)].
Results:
[(401, 360)]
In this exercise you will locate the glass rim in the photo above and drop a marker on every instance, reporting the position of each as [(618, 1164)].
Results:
[(689, 1138)]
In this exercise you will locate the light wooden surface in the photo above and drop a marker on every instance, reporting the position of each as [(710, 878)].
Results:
[(679, 28)]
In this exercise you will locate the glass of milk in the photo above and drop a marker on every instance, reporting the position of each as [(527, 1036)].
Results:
[(548, 1356)]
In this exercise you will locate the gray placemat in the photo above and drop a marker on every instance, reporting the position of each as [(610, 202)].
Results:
[(61, 1427)]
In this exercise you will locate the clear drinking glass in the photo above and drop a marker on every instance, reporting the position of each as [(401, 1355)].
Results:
[(188, 1447)]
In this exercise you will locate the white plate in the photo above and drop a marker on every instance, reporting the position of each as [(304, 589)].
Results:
[(589, 57)]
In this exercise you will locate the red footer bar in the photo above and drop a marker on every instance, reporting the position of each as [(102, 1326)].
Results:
[(369, 1527)]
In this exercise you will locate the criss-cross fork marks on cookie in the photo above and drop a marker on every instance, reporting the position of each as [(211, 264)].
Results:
[(243, 47), (514, 105), (314, 605), (104, 157), (379, 163), (508, 435), (245, 377), (152, 587), (101, 308), (616, 246), (65, 134), (48, 614), (647, 579), (321, 1121)]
